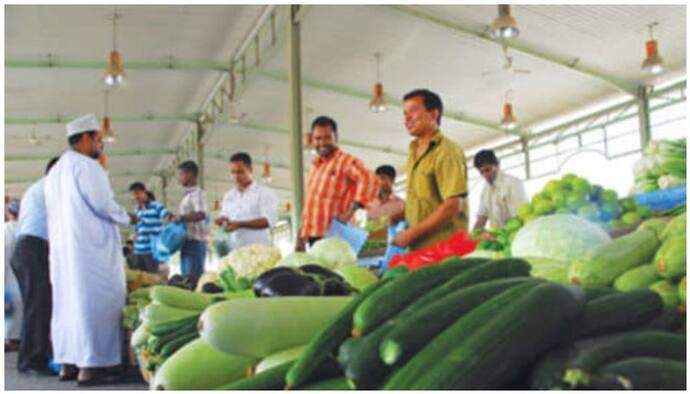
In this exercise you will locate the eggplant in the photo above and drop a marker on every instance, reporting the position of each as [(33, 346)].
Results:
[(335, 287), (289, 284), (262, 280), (211, 288), (320, 271)]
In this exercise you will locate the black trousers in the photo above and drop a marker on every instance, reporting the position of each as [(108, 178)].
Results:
[(146, 262), (30, 264)]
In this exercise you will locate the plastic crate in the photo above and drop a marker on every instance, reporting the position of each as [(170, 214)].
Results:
[(662, 199)]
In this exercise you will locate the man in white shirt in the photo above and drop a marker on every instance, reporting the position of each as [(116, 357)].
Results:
[(249, 209), (502, 193)]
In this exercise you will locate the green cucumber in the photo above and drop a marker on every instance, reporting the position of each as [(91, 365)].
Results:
[(198, 366), (330, 384), (503, 349), (648, 373), (602, 350), (670, 259), (173, 345), (667, 321), (161, 329), (412, 332), (327, 341), (681, 290), (395, 272), (668, 293), (453, 337), (603, 264), (270, 379), (593, 293), (619, 312), (547, 374), (637, 278), (259, 327), (363, 368), (388, 300)]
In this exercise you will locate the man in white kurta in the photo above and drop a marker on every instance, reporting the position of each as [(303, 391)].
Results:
[(249, 209), (86, 263)]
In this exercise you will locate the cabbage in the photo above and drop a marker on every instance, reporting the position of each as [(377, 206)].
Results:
[(357, 277), (252, 260), (558, 237), (334, 252), (549, 269), (297, 259)]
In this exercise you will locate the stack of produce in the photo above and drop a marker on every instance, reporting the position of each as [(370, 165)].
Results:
[(461, 324), (136, 301), (242, 336), (137, 279), (663, 166), (168, 322)]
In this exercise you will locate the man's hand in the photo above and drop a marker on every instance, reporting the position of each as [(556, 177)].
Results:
[(231, 226), (300, 247), (404, 239), (345, 217), (221, 220), (133, 218)]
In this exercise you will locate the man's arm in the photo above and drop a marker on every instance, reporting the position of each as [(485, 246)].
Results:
[(481, 222), (193, 217), (367, 185), (439, 218), (200, 210), (256, 224)]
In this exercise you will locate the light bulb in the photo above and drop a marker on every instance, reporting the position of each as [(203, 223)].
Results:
[(504, 26), (378, 102), (653, 63), (508, 122)]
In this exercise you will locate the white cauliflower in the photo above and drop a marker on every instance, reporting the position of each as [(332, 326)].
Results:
[(252, 260)]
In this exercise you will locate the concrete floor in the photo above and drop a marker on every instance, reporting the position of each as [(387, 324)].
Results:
[(16, 381)]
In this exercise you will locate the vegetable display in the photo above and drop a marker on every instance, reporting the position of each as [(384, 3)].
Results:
[(663, 166)]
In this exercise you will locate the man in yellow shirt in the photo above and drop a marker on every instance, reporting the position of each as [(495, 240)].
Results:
[(436, 175)]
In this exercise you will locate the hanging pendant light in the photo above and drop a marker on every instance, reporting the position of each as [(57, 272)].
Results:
[(653, 63), (108, 134), (504, 27), (508, 122), (378, 102), (266, 173), (114, 71)]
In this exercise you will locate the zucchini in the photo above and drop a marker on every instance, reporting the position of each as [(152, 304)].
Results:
[(279, 358), (155, 313), (198, 366), (656, 224), (619, 312), (270, 379), (677, 226), (503, 349), (389, 299), (395, 272), (603, 264), (330, 384), (180, 298), (259, 327), (412, 332), (453, 337), (648, 373), (164, 339), (547, 374), (139, 336), (670, 259), (602, 350), (328, 340), (668, 293), (175, 344), (637, 278)]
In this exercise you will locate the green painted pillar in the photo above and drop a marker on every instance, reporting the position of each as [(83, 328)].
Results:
[(295, 87), (199, 145), (643, 116)]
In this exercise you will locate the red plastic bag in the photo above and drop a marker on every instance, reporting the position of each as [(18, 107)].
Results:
[(458, 245)]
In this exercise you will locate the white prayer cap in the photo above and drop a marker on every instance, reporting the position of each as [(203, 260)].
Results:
[(83, 124)]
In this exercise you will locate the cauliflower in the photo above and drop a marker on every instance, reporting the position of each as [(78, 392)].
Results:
[(252, 260)]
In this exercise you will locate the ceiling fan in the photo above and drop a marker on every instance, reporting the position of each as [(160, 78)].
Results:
[(507, 66), (32, 138)]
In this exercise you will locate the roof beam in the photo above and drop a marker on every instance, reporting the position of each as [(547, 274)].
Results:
[(111, 175), (627, 87), (51, 119), (366, 95), (51, 61), (109, 152)]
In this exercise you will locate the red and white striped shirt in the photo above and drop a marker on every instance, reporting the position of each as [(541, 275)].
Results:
[(333, 185)]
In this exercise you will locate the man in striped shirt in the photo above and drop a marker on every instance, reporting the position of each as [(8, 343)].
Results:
[(337, 185), (149, 224)]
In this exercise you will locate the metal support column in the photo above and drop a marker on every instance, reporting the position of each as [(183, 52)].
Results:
[(200, 152), (643, 116), (525, 151), (164, 190), (295, 86)]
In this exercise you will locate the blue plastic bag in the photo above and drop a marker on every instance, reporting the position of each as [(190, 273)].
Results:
[(393, 231), (663, 199), (354, 236), (169, 241)]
